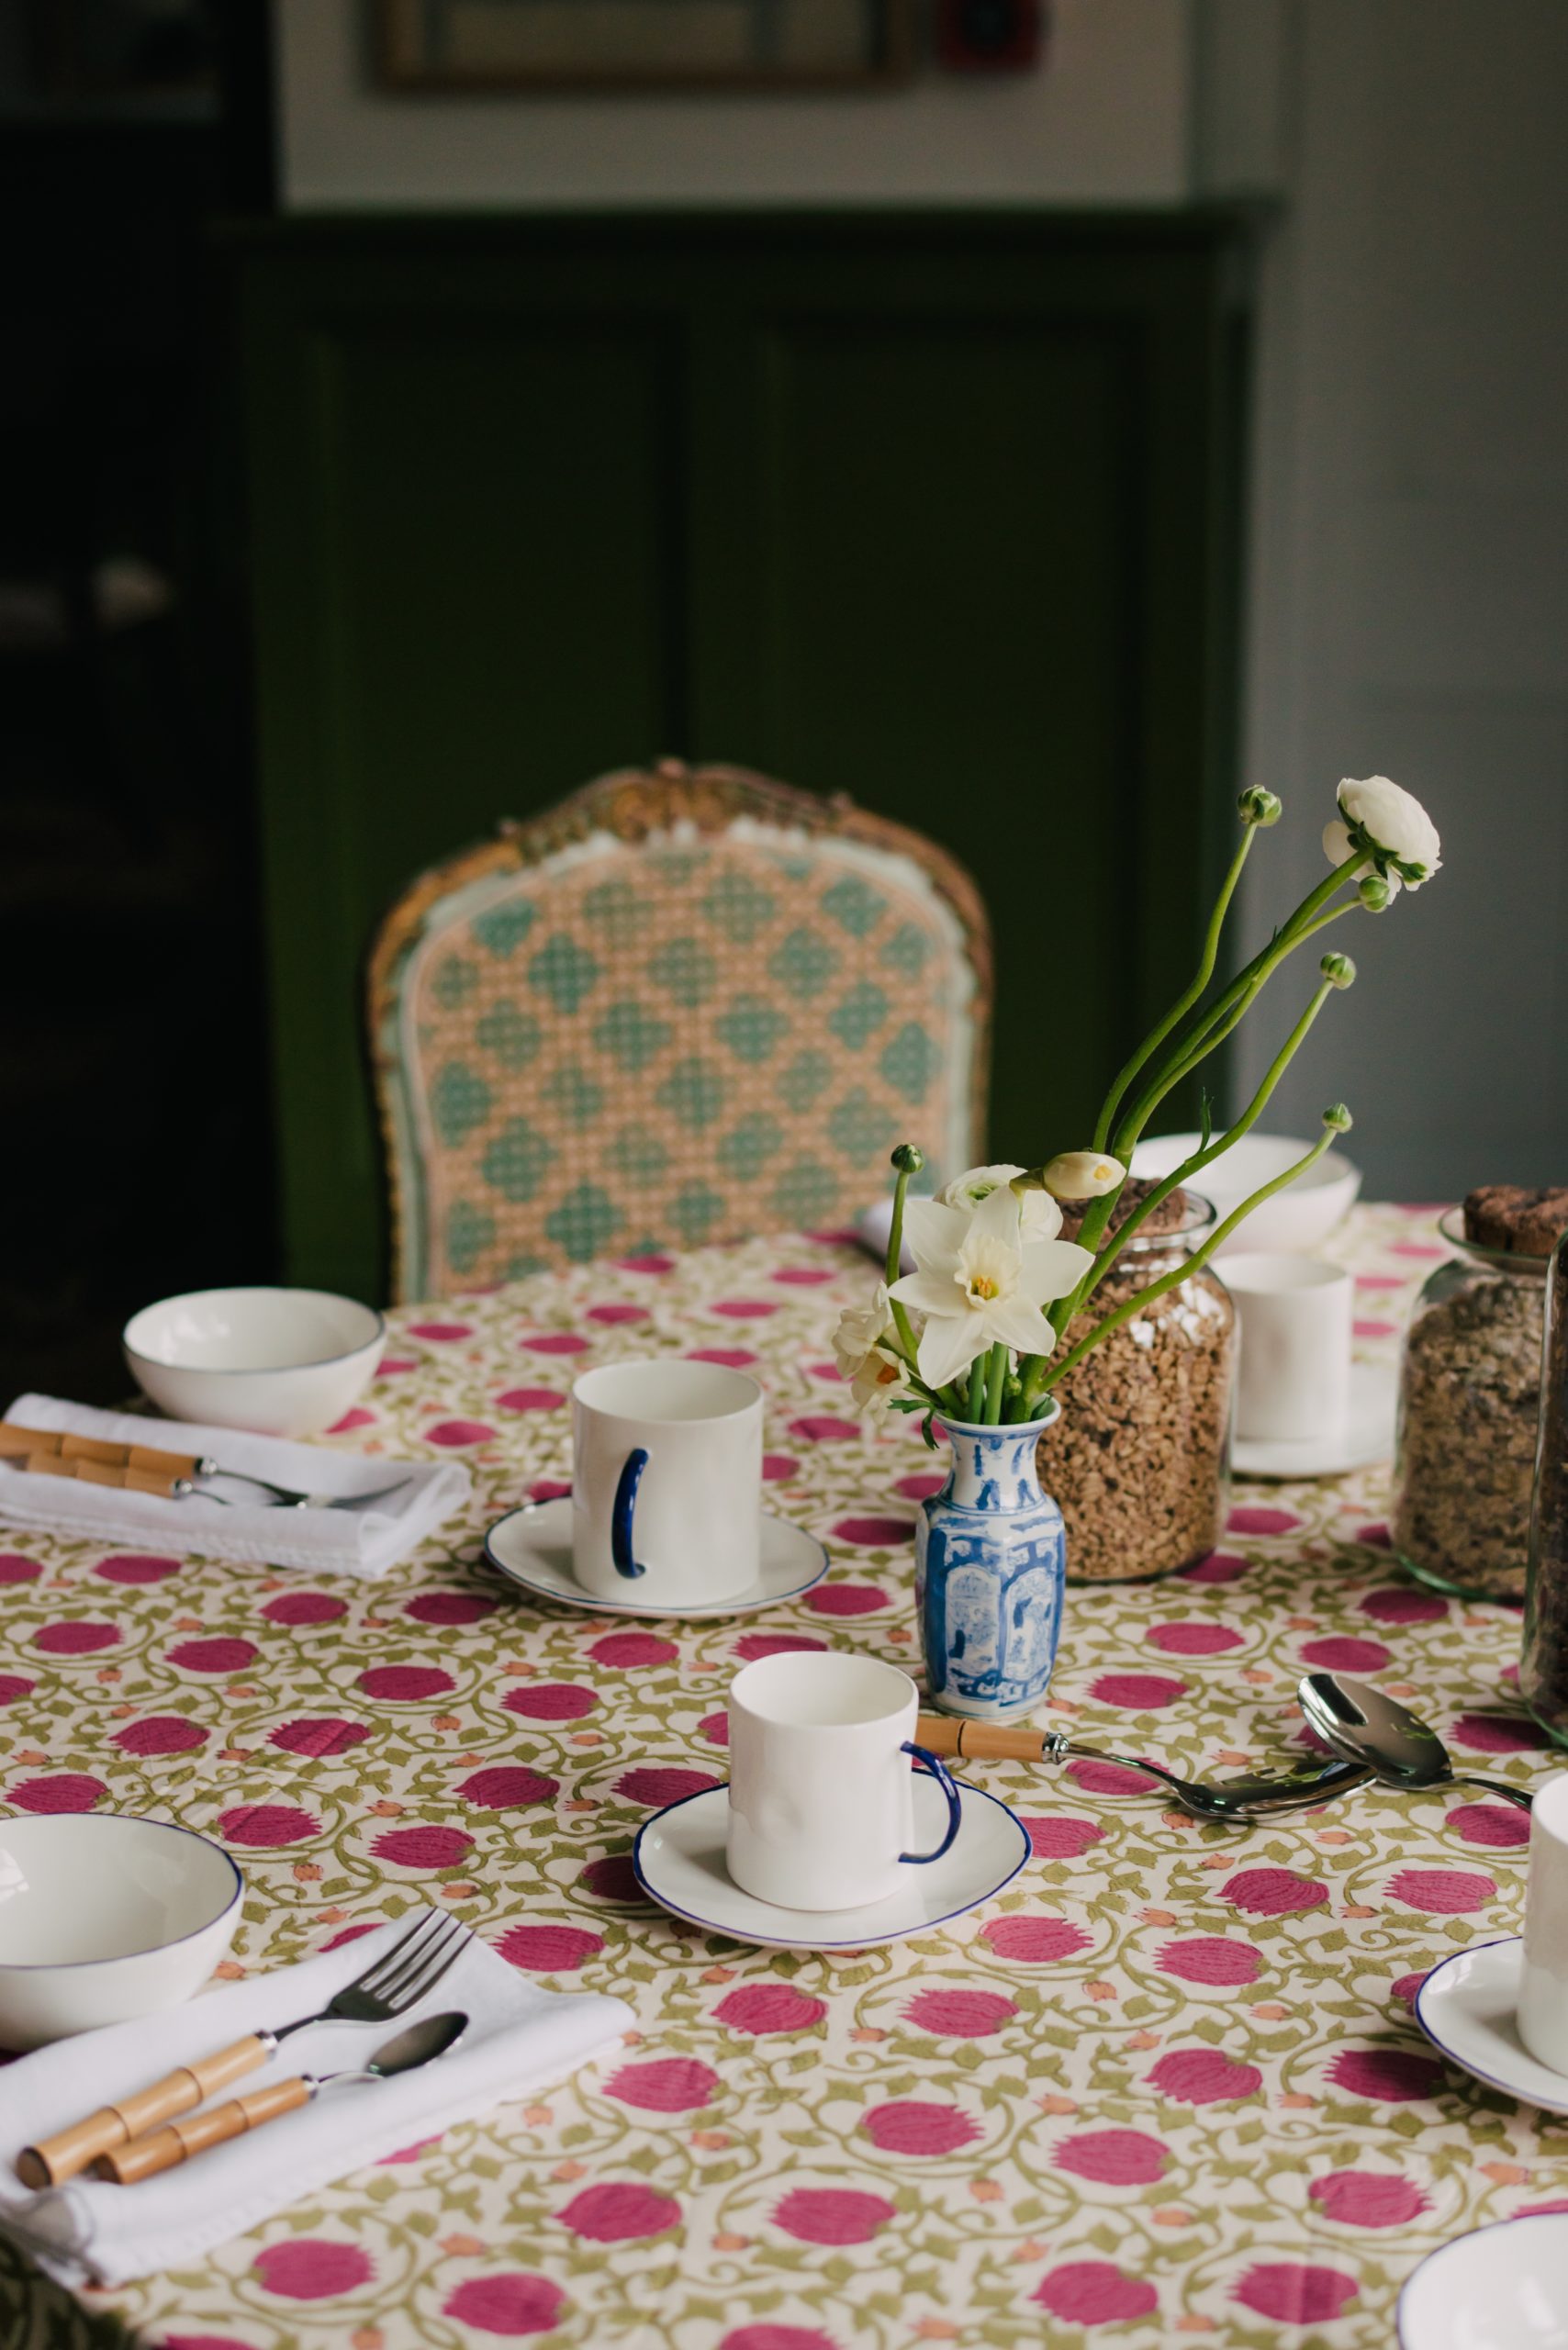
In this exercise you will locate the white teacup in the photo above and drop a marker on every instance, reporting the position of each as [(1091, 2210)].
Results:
[(1294, 1381), (1543, 1978), (822, 1810), (667, 1482)]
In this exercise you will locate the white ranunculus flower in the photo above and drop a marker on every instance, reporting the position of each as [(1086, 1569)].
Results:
[(1042, 1218), (860, 1328), (982, 1282), (1337, 841), (1083, 1174), (1391, 828)]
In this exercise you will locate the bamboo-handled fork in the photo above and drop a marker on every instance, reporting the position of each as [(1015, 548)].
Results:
[(141, 1468), (391, 1986)]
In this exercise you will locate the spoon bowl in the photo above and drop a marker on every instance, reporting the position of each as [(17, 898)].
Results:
[(1365, 1725)]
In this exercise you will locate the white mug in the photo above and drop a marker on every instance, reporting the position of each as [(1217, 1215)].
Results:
[(822, 1810), (1294, 1381), (666, 1483), (1543, 1978)]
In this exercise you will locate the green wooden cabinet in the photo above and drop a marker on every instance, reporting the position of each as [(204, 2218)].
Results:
[(936, 511)]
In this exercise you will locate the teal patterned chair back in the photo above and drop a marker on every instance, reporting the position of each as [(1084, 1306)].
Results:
[(682, 1007)]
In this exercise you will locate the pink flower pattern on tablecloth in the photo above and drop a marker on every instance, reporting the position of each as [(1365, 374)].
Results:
[(1168, 2083)]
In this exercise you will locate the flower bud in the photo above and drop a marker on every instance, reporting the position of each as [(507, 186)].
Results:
[(1339, 971), (1259, 807), (1377, 890), (909, 1159), (1083, 1175), (1338, 1117)]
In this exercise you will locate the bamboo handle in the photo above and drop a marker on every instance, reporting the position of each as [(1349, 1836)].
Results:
[(163, 2148), (15, 1442), (981, 1741), (55, 2159), (129, 1456), (127, 1479)]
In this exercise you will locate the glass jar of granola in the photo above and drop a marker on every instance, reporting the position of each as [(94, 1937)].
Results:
[(1543, 1666), (1139, 1457)]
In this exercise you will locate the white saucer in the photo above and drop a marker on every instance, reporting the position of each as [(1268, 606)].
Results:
[(1366, 1436), (679, 1860), (1502, 2288), (1466, 2008), (532, 1548)]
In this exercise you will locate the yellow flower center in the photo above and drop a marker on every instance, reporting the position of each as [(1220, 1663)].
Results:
[(981, 1285), (887, 1375)]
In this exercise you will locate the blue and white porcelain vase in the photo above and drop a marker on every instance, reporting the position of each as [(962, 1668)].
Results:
[(990, 1572)]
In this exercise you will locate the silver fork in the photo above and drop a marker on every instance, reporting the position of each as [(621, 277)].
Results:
[(389, 1987), (283, 1496)]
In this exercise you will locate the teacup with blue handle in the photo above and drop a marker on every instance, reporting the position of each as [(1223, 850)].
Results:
[(666, 1483)]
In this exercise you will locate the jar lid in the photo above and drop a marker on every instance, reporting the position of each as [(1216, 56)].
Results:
[(1516, 1221)]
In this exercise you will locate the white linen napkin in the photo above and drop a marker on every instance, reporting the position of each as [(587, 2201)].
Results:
[(326, 1541), (517, 2038)]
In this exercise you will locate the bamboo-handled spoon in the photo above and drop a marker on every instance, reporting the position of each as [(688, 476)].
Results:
[(1236, 1800), (216, 2124), (1363, 1724)]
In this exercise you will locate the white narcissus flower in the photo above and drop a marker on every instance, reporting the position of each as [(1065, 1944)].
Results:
[(1042, 1218), (876, 1375), (981, 1282), (1380, 821), (882, 1376), (1083, 1174)]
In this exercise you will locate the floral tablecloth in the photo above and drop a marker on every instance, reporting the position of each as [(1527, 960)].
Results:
[(1167, 2084)]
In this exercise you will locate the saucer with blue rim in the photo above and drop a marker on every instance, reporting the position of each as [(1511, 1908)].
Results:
[(678, 1860), (1466, 2008), (531, 1547), (1500, 2287)]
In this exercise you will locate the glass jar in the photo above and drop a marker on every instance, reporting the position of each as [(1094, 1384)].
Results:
[(1139, 1460), (1469, 1398), (1543, 1665)]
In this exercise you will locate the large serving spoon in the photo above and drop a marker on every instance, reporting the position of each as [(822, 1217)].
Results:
[(1363, 1724), (1236, 1801)]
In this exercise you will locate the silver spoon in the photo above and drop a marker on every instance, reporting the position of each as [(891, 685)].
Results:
[(1392, 1744), (419, 2043), (187, 1488), (1253, 1797)]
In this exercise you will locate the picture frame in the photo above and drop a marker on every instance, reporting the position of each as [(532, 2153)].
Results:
[(436, 47)]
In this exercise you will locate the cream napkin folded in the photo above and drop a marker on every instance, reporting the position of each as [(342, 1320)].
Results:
[(519, 2037), (325, 1541)]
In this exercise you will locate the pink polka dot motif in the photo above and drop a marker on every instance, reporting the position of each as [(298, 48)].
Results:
[(727, 1358), (214, 1655), (832, 2215), (549, 1949), (15, 1568), (451, 1435), (1093, 2292), (1195, 1639), (349, 1934), (410, 2153), (627, 1651), (505, 1787), (823, 1428), (440, 1334), (663, 2085), (780, 1468), (311, 2269), (1033, 1940), (507, 2306), (133, 1568), (1443, 1893), (449, 1607), (550, 1701), (651, 1263), (549, 1489), (845, 1599), (82, 1639), (264, 1826), (198, 2342), (1368, 2199), (160, 1734), (1137, 1692), (763, 2008), (318, 1735), (1273, 1893), (875, 1533), (1055, 1836), (803, 1276), (357, 1418), (1368, 1330), (746, 1309), (423, 1847), (715, 1727), (617, 2211), (1219, 1567), (396, 1367), (1212, 1960), (304, 1607), (1112, 2158), (1406, 1988), (1498, 1824), (1292, 2293), (1342, 1653), (1539, 2211), (60, 1791), (1107, 1778), (769, 2336), (921, 1488), (1498, 1734), (1265, 1521), (960, 2015), (1387, 2075), (13, 1686), (611, 1318), (529, 1399), (915, 2126), (1374, 1538), (405, 1683), (657, 1787), (1203, 2077), (612, 1878), (1398, 1604), (752, 1645)]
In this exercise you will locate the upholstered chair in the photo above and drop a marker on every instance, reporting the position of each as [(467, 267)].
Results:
[(683, 1006)]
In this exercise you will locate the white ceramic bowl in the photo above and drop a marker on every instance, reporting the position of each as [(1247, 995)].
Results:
[(105, 1916), (1300, 1216), (1502, 2288), (283, 1361)]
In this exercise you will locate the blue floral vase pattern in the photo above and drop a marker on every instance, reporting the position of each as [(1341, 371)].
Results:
[(990, 1570)]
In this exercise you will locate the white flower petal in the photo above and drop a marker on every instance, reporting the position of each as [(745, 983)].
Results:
[(1051, 1269), (1021, 1326), (934, 1233), (1336, 841), (1395, 824), (929, 1294), (949, 1344), (1041, 1218), (966, 1192), (997, 1219)]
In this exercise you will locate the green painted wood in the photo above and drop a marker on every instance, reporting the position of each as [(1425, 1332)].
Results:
[(936, 512)]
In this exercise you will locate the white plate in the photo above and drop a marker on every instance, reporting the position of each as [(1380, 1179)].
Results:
[(1300, 1216), (1466, 2008), (679, 1860), (1502, 2287), (1367, 1436), (532, 1548)]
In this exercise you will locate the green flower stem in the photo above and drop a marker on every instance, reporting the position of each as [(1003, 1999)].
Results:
[(1239, 1011), (995, 1382), (1184, 1003), (1057, 1370), (901, 1322), (976, 1390)]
